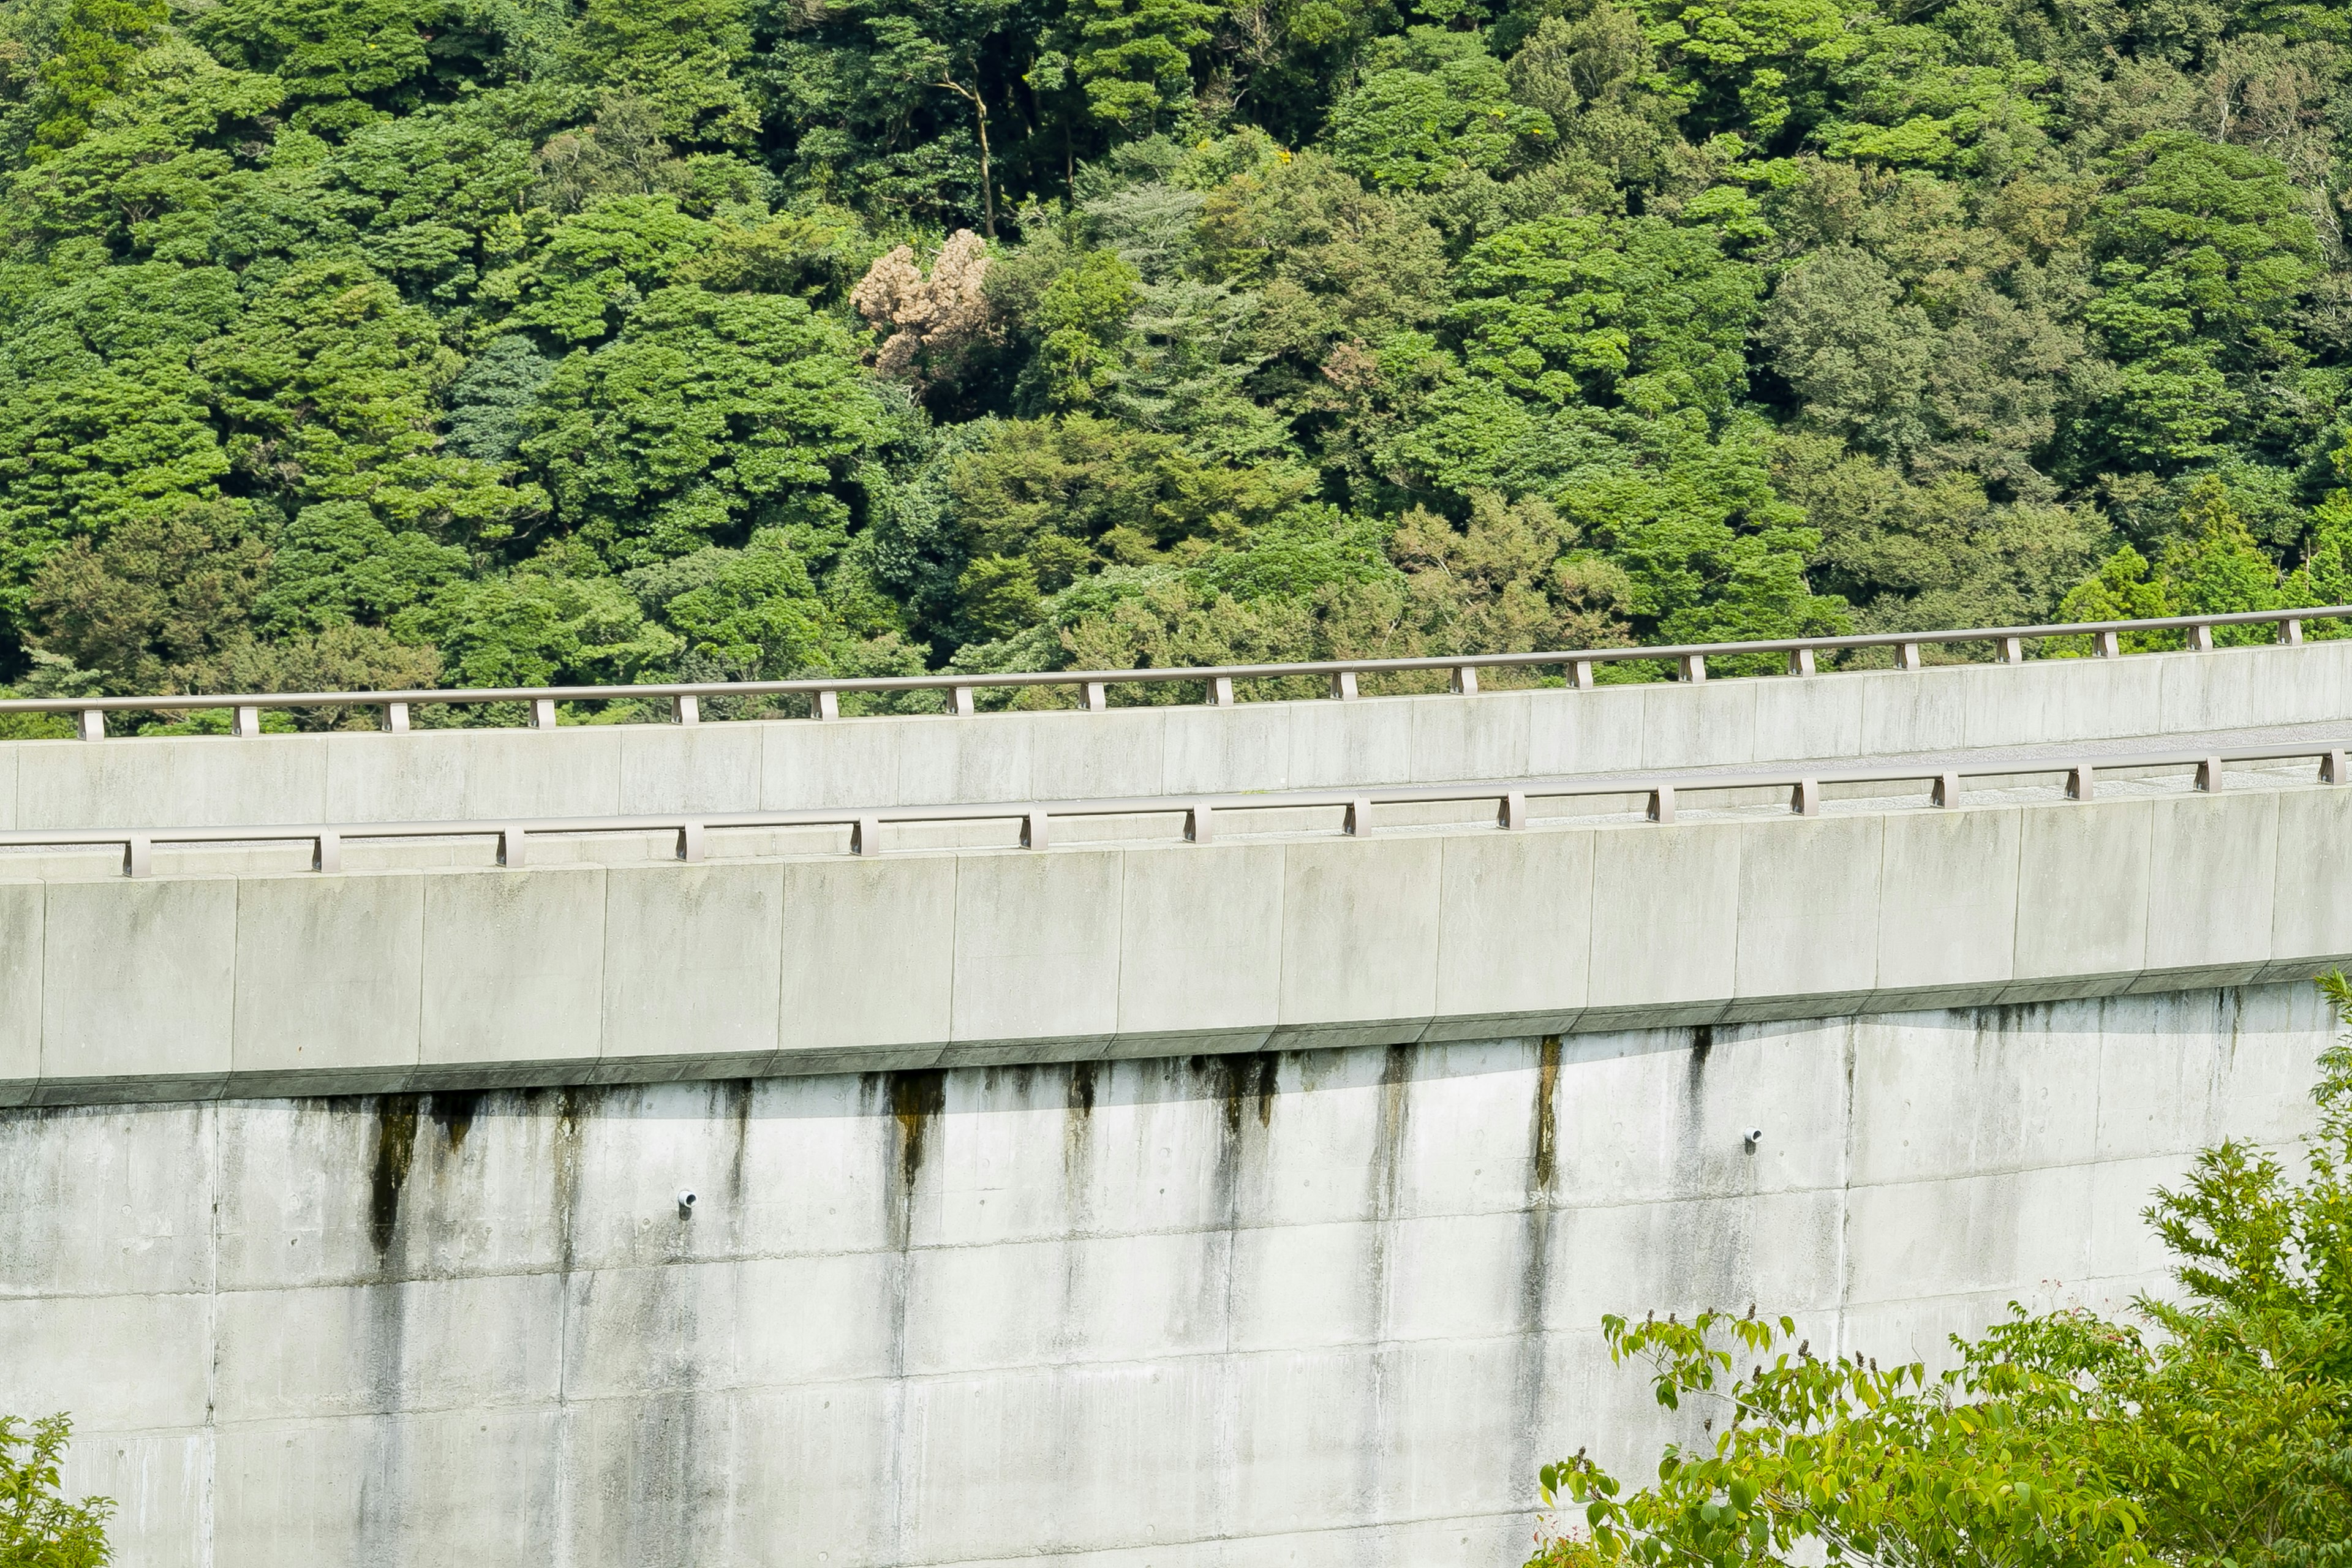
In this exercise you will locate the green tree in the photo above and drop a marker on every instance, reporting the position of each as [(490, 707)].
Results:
[(38, 1527)]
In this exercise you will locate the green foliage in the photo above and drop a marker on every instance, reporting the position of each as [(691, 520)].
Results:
[(480, 337), (38, 1527), (2224, 1438)]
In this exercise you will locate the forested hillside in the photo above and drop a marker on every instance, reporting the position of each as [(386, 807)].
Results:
[(352, 343)]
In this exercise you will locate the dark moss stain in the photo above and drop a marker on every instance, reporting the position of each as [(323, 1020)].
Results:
[(453, 1111), (396, 1151), (1082, 1087), (1547, 1160), (916, 1100), (1268, 1075), (738, 1095)]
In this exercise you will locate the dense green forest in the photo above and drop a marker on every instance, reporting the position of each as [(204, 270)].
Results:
[(356, 342)]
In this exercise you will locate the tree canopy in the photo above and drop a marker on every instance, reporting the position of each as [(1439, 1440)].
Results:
[(442, 341)]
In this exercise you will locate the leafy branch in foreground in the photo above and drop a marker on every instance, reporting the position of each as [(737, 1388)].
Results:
[(38, 1527)]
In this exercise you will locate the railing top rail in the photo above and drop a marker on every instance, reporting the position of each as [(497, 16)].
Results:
[(815, 685), (2330, 753)]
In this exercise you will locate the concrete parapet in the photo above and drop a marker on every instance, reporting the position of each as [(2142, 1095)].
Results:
[(174, 987), (608, 770)]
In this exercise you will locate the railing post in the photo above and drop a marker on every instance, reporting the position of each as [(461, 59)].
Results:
[(1800, 661), (1094, 695), (2331, 769), (1662, 804), (1511, 812), (327, 853), (2208, 775), (1906, 656), (2107, 644), (1359, 820), (542, 713), (244, 722), (1692, 667), (2201, 639), (138, 856), (1805, 799), (689, 842), (2081, 779), (511, 850), (687, 710), (2291, 631), (1343, 685), (89, 724), (1200, 823), (827, 705), (1036, 832), (1580, 674), (395, 718), (2012, 650), (960, 704), (1464, 682), (1220, 691), (866, 835), (1946, 792)]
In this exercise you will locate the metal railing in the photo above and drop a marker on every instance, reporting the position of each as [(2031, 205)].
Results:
[(1200, 814), (1093, 686)]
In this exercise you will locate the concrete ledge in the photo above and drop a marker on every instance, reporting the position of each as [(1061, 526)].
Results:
[(177, 988), (601, 771)]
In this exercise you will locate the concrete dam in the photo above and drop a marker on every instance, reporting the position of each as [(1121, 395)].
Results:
[(1145, 1137)]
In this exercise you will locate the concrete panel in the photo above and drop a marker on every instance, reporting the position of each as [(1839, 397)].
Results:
[(1710, 725), (1948, 899), (1092, 756), (8, 755), (287, 1355), (693, 965), (690, 767), (1665, 902), (198, 781), (1482, 737), (2213, 871), (1804, 719), (810, 763), (1037, 945), (868, 952), (1917, 709), (514, 962), (1368, 741), (1571, 731), (479, 775), (120, 1362), (1359, 930), (965, 759), (2082, 887), (1221, 751), (330, 972), (20, 989), (159, 1024), (1201, 941), (1809, 907), (1514, 929), (2311, 913)]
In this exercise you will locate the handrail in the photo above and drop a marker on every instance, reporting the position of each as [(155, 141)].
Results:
[(1200, 812), (824, 691)]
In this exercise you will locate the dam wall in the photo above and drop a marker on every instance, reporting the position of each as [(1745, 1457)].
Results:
[(1328, 1308)]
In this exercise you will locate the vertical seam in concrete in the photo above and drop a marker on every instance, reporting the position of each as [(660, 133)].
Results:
[(208, 1459)]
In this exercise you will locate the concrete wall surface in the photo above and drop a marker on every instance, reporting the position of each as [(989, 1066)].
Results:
[(1325, 1308), (604, 770), (540, 975)]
